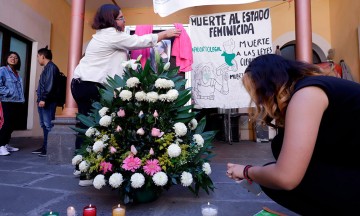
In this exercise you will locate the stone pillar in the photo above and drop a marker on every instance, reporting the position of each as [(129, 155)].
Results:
[(303, 30), (61, 141)]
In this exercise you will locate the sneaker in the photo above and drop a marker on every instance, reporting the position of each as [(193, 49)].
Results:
[(37, 151), (4, 151), (86, 180), (77, 173), (10, 148), (42, 154)]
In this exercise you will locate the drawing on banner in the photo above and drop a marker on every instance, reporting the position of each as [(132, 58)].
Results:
[(223, 46)]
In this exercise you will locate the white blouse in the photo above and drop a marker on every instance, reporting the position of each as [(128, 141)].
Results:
[(106, 51)]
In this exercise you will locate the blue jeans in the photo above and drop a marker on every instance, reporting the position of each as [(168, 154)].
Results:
[(46, 115)]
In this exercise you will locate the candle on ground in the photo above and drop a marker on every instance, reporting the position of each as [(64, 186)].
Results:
[(209, 210), (51, 213), (71, 211), (89, 210), (118, 210)]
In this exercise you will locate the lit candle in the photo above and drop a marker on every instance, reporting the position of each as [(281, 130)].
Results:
[(51, 213), (71, 211), (118, 210), (89, 210), (209, 210)]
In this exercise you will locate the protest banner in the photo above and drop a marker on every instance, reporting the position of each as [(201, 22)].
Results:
[(223, 46)]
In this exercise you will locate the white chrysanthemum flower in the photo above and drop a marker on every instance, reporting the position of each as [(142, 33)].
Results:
[(152, 97), (103, 111), (90, 131), (119, 89), (83, 166), (105, 121), (174, 150), (130, 64), (199, 140), (164, 83), (132, 82), (172, 95), (163, 97), (99, 181), (98, 146), (186, 179), (180, 129), (206, 168), (140, 96), (160, 178), (116, 180), (105, 138), (125, 95), (76, 160), (167, 66), (193, 124), (137, 180)]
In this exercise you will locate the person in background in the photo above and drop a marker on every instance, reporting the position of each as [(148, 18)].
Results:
[(46, 95), (278, 51), (104, 55), (12, 99), (317, 170)]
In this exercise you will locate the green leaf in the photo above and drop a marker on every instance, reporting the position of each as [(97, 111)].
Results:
[(201, 126), (86, 120)]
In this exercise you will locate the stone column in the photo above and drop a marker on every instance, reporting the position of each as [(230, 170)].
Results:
[(61, 141)]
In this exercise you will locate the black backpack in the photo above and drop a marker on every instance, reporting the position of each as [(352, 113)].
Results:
[(61, 90)]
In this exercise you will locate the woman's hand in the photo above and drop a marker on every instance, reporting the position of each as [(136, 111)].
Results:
[(168, 34), (235, 171)]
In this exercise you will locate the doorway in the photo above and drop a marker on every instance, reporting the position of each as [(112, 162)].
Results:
[(11, 41)]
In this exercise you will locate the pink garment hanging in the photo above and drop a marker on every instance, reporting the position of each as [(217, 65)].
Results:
[(182, 50), (142, 30)]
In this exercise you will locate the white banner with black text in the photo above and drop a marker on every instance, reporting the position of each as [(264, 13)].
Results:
[(223, 46)]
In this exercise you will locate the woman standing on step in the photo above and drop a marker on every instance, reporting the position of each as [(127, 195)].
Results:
[(317, 168), (12, 98)]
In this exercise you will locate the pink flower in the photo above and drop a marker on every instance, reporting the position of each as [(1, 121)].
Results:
[(131, 163), (118, 128), (112, 149), (115, 95), (156, 114), (133, 150), (140, 131), (152, 167), (151, 151), (121, 113), (105, 166), (156, 132)]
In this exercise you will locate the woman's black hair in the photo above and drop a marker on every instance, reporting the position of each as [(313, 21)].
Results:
[(18, 65), (105, 17)]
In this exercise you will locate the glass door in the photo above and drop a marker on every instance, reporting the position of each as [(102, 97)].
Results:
[(10, 41)]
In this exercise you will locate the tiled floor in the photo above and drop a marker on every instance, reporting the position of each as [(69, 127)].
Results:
[(31, 186)]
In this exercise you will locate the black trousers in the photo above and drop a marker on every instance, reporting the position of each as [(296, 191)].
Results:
[(11, 112), (326, 189), (85, 94)]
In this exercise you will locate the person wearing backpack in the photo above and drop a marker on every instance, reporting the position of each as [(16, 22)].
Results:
[(46, 95)]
